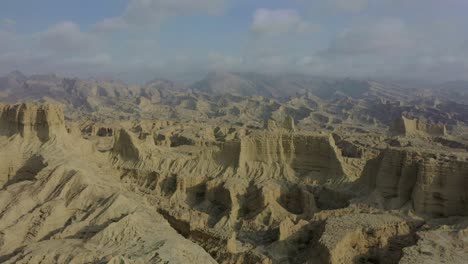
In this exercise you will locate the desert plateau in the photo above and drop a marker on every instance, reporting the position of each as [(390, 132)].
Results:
[(342, 171), (234, 132)]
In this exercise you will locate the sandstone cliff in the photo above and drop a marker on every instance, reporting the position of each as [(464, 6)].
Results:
[(433, 184), (415, 127), (62, 202), (25, 128), (32, 120), (309, 156), (190, 191)]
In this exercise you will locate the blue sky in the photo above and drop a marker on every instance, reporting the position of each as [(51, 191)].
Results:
[(142, 39)]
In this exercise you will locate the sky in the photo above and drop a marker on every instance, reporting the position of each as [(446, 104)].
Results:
[(138, 40)]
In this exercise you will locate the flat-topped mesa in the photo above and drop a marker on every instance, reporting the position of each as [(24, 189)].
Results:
[(415, 127), (30, 120)]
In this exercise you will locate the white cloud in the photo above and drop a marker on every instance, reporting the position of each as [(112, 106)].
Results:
[(386, 36), (424, 41), (279, 21), (151, 13), (67, 38), (62, 47), (389, 47)]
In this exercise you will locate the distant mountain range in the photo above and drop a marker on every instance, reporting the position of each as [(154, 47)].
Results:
[(16, 85), (293, 94)]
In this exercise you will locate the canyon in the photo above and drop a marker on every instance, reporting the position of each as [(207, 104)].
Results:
[(222, 172)]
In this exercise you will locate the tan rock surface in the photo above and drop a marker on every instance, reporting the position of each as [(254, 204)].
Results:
[(415, 127), (160, 174), (65, 205), (433, 184)]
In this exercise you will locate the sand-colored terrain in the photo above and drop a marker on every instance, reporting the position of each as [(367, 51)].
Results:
[(324, 172)]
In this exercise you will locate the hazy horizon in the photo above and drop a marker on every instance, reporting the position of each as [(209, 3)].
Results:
[(139, 40), (191, 79)]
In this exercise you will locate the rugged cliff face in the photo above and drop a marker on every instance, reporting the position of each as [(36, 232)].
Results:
[(433, 184), (247, 185), (365, 238), (194, 192), (62, 202), (415, 127), (125, 146), (272, 154), (25, 128), (440, 188), (308, 156), (32, 121)]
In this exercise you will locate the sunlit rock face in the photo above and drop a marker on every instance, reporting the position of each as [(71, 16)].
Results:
[(433, 184), (32, 120)]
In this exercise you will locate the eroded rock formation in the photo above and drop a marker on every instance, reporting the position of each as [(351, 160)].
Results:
[(307, 187), (65, 205), (415, 127), (433, 184), (32, 120)]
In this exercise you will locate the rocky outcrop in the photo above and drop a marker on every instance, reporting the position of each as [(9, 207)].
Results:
[(98, 130), (416, 127), (152, 174), (78, 214), (451, 143), (434, 184), (125, 146), (32, 120), (393, 174), (440, 189), (61, 204), (365, 238), (26, 129), (311, 156), (446, 243), (287, 125)]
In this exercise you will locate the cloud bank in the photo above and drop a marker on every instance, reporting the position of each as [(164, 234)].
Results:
[(362, 38)]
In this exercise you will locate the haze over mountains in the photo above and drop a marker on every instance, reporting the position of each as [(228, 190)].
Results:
[(279, 86), (294, 90)]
